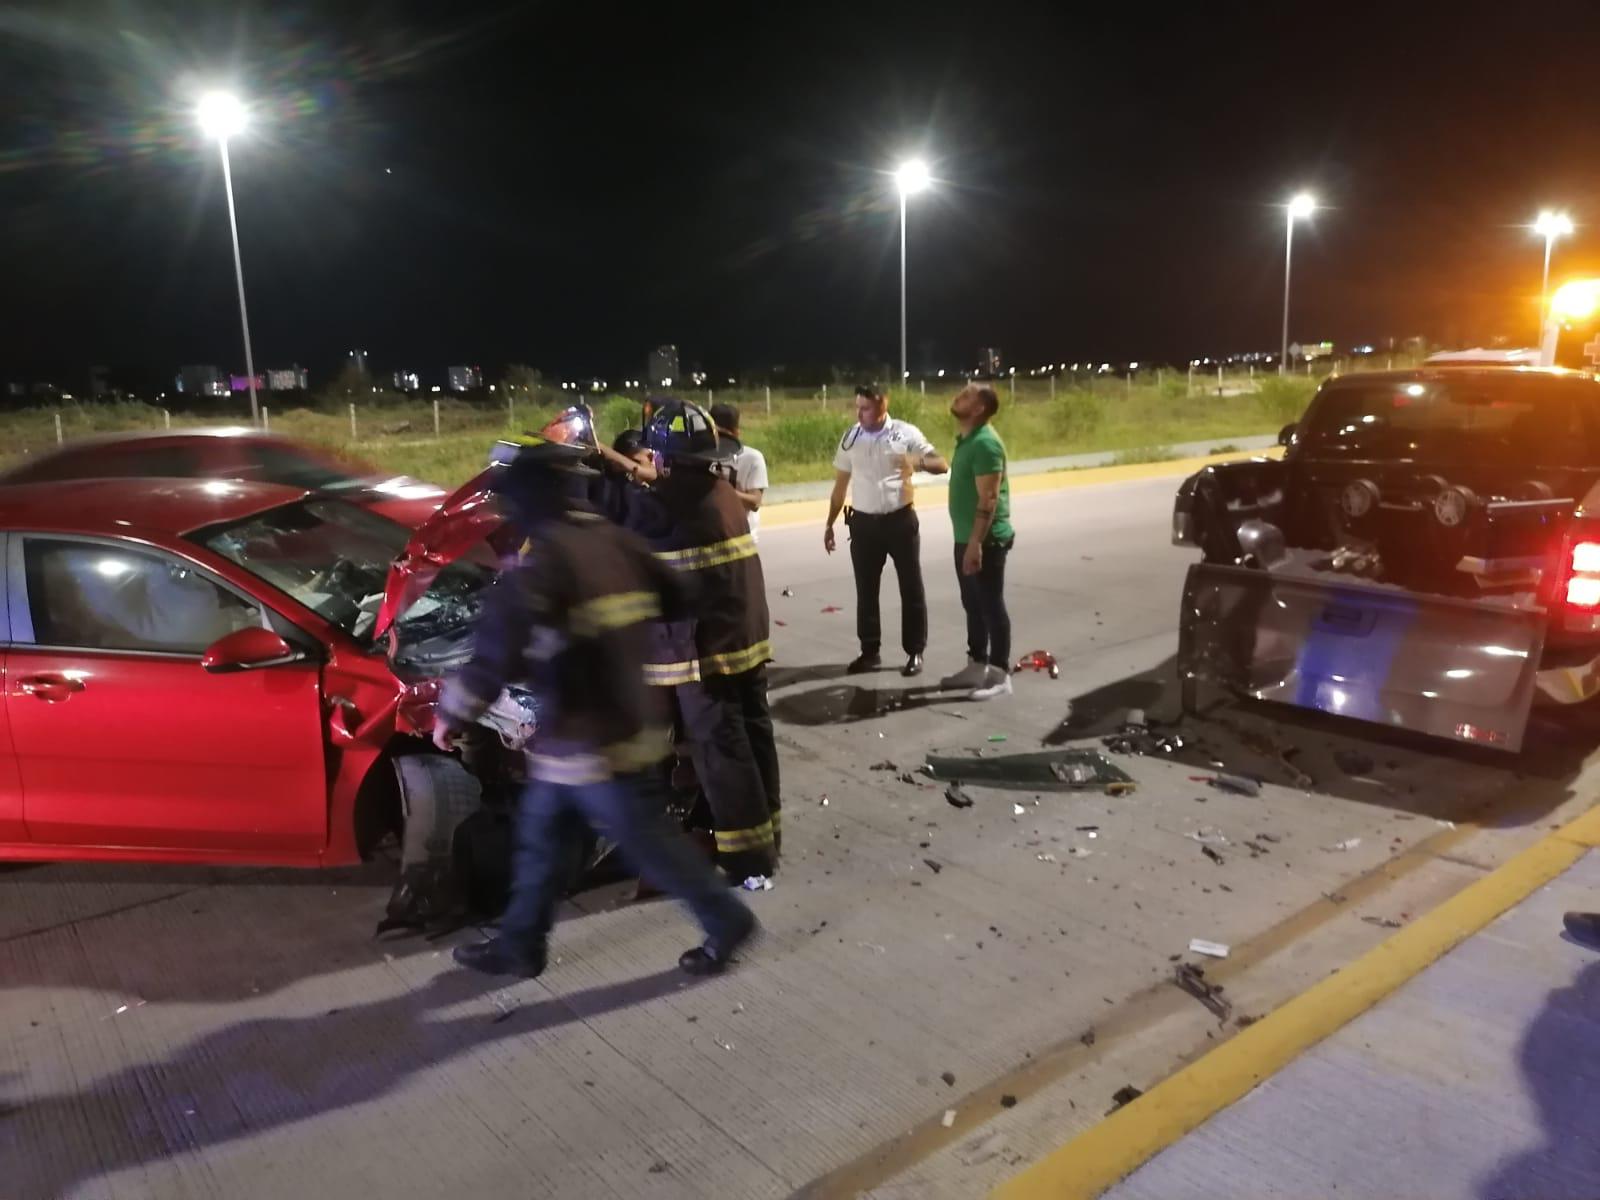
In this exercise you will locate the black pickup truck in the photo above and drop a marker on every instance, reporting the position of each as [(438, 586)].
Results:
[(1425, 555)]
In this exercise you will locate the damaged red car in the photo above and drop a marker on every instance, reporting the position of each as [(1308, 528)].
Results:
[(193, 671)]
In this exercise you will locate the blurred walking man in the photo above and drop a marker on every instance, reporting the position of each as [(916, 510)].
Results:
[(749, 466), (980, 516), (571, 618), (876, 458)]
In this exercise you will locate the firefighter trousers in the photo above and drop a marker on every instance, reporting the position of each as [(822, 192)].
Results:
[(729, 727), (628, 809)]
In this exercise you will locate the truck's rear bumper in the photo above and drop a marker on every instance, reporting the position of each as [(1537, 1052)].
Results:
[(1448, 668)]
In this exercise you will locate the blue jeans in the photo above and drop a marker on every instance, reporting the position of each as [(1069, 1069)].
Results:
[(629, 810)]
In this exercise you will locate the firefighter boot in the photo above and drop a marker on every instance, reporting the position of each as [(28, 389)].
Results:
[(502, 956), (715, 954)]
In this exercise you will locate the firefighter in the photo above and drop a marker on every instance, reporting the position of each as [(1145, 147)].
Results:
[(570, 619), (721, 684)]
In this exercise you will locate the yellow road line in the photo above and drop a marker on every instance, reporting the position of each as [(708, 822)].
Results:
[(801, 512), (1105, 1153)]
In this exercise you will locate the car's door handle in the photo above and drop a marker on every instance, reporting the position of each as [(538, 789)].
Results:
[(50, 688)]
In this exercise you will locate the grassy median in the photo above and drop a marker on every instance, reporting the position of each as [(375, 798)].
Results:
[(798, 436)]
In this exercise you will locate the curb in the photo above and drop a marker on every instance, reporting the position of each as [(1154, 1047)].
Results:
[(1117, 1145)]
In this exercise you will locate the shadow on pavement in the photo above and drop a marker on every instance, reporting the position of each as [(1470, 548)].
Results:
[(782, 677), (263, 1074), (846, 702), (1560, 1061), (1349, 760)]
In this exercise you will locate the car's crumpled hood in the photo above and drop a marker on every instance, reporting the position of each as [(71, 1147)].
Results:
[(468, 516)]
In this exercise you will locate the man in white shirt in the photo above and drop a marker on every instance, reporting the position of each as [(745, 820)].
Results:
[(749, 466), (876, 458)]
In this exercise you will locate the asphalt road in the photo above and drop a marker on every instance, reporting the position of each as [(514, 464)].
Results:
[(942, 994)]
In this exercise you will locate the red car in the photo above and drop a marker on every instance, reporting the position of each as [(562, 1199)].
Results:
[(232, 453), (192, 672)]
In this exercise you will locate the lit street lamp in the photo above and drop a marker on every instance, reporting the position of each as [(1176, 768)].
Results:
[(910, 178), (221, 115), (1303, 204), (1549, 226)]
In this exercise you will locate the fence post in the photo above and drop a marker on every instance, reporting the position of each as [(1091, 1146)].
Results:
[(1190, 392), (352, 422), (436, 420), (1308, 367), (1252, 372), (1052, 387), (59, 438), (824, 395), (1219, 379), (922, 386), (1013, 387), (166, 419), (769, 399), (1130, 383), (511, 412), (1158, 378)]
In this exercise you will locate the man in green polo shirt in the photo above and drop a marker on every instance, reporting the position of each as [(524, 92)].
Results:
[(980, 515)]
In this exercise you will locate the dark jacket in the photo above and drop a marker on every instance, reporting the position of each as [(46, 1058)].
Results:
[(710, 543), (571, 619)]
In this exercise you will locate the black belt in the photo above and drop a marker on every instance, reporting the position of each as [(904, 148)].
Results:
[(855, 514)]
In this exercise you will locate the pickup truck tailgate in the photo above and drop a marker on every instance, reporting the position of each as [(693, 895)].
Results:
[(1450, 668)]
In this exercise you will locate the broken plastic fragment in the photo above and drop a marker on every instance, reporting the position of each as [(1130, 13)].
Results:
[(997, 737), (958, 797), (757, 883), (949, 1118), (1192, 979), (1209, 949), (1212, 855), (1124, 1095), (788, 592), (831, 608), (824, 802), (1207, 835), (1382, 922), (1018, 809), (949, 1078), (1046, 858), (934, 865), (1054, 770), (1239, 785), (1038, 660), (1347, 844)]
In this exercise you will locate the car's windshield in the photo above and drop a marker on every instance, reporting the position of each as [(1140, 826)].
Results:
[(1479, 420), (334, 558)]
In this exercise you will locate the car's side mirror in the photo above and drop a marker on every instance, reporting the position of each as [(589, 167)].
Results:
[(1286, 434), (247, 650)]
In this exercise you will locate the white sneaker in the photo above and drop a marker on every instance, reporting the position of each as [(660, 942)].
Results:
[(974, 674), (996, 683)]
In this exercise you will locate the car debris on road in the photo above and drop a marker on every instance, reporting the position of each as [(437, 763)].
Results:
[(1192, 979)]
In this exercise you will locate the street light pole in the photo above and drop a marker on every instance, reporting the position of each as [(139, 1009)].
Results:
[(238, 276), (903, 287), (221, 115), (1301, 206), (1550, 225), (910, 178)]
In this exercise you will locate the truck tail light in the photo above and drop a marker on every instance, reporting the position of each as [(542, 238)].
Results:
[(1583, 575)]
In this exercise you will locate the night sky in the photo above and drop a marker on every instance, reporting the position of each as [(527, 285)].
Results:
[(568, 184)]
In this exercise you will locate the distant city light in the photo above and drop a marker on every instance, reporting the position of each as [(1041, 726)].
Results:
[(1302, 205), (436, 388), (941, 372)]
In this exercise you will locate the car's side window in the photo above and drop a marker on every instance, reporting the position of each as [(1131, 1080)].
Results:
[(103, 596)]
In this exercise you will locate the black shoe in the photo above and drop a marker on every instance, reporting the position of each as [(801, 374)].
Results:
[(913, 666), (1584, 927), (869, 661), (502, 956), (716, 954)]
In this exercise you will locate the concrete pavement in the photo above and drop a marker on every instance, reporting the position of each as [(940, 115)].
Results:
[(236, 1033)]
